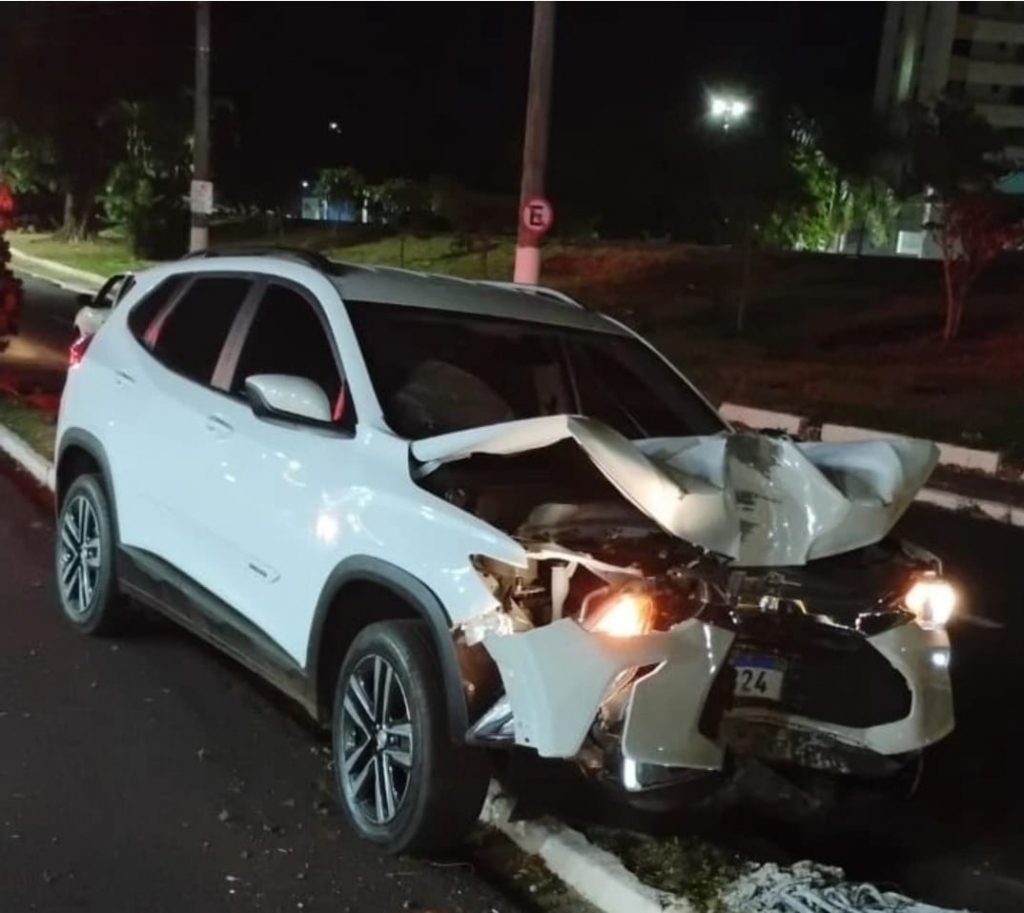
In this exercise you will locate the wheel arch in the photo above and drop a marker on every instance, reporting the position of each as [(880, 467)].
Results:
[(81, 452), (393, 593)]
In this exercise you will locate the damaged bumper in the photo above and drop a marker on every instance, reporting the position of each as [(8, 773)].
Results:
[(664, 700), (558, 677), (920, 658)]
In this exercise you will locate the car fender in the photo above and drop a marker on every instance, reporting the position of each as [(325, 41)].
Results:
[(421, 600)]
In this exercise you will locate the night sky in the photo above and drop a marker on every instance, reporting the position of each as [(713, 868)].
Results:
[(424, 89)]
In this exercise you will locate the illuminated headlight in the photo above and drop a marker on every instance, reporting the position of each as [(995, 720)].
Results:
[(626, 615), (932, 600)]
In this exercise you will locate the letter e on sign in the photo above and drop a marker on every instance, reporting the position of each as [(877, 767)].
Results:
[(537, 216)]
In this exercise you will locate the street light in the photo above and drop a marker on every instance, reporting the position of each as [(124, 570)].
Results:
[(334, 127), (305, 185), (727, 109)]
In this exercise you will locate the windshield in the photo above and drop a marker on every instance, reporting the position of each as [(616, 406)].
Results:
[(436, 372)]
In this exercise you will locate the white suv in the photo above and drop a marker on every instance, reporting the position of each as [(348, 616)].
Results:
[(450, 516)]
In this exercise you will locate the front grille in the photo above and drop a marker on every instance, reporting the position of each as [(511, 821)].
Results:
[(831, 674)]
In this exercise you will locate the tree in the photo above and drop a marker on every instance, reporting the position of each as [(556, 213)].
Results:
[(953, 158), (399, 202), (835, 195), (26, 163), (58, 80), (975, 227), (861, 147), (875, 209), (946, 147), (143, 194), (341, 183)]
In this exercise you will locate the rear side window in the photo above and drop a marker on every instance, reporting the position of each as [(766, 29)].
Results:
[(193, 333), (288, 337), (146, 310)]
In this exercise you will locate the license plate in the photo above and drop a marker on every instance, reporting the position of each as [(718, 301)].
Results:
[(759, 677)]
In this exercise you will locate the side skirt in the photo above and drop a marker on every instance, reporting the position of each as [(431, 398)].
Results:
[(161, 586)]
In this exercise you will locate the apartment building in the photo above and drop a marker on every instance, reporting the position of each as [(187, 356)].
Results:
[(975, 50)]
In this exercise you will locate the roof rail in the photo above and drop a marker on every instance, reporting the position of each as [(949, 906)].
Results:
[(309, 257), (540, 291)]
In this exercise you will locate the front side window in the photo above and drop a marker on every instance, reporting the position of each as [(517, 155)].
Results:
[(192, 335), (288, 337), (436, 372)]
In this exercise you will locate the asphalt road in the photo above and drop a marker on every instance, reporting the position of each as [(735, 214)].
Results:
[(38, 356), (149, 774)]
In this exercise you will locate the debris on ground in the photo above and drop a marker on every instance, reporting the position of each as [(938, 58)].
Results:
[(810, 888)]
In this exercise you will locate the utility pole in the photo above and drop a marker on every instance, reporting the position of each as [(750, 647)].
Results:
[(201, 195), (535, 145)]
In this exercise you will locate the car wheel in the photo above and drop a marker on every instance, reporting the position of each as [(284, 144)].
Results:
[(402, 782), (85, 560)]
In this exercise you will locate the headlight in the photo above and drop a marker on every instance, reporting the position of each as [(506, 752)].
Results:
[(626, 615), (932, 600)]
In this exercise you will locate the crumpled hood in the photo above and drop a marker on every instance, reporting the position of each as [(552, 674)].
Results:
[(759, 500)]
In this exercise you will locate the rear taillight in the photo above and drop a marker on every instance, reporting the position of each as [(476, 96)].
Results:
[(78, 350)]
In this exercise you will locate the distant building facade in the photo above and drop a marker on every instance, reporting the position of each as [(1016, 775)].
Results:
[(971, 50), (968, 50)]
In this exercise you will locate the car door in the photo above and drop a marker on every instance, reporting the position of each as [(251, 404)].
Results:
[(175, 485), (282, 473)]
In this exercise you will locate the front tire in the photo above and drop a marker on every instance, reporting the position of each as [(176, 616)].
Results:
[(402, 783), (84, 560)]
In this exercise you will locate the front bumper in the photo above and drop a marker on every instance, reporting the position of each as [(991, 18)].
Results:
[(560, 678), (921, 659)]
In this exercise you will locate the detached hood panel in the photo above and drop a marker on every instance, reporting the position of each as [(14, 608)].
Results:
[(756, 499)]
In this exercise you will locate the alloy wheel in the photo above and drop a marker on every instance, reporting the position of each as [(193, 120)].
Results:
[(80, 555), (377, 745)]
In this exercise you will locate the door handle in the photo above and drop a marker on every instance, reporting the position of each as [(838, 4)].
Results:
[(217, 426), (123, 378)]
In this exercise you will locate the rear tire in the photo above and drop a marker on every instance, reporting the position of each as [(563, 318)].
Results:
[(85, 560), (402, 783)]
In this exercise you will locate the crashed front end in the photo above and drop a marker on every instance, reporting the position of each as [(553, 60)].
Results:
[(687, 603)]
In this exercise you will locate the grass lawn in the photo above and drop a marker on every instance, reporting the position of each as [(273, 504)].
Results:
[(37, 428), (104, 255), (840, 339)]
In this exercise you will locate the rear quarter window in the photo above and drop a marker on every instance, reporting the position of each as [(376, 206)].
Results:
[(146, 310)]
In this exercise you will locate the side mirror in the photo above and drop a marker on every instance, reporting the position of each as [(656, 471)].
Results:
[(83, 300), (284, 396), (89, 319)]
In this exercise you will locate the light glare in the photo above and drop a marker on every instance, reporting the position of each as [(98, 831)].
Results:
[(625, 616), (727, 108), (933, 601)]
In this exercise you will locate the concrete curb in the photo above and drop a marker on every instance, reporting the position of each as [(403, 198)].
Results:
[(19, 450), (595, 874), (55, 270), (985, 461), (993, 510)]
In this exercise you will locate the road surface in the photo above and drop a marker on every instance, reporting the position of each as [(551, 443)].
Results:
[(37, 358), (149, 774)]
